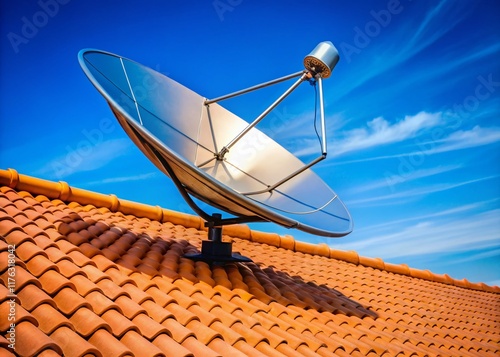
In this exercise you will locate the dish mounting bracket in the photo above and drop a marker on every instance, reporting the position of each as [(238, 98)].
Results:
[(213, 250)]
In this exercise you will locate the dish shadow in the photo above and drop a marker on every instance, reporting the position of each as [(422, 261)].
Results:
[(162, 255)]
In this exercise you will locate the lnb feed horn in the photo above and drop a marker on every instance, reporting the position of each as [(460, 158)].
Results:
[(322, 60)]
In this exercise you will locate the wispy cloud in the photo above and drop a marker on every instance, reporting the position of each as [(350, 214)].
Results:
[(479, 256), (464, 139), (84, 156), (418, 192), (438, 21), (443, 213), (481, 231), (123, 179), (380, 132), (417, 174), (407, 40), (458, 140)]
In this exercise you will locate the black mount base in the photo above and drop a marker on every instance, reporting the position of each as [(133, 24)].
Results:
[(214, 250)]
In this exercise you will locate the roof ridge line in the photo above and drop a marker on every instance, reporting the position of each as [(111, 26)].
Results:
[(61, 190)]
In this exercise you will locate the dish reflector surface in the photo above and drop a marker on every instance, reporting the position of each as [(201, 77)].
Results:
[(169, 122)]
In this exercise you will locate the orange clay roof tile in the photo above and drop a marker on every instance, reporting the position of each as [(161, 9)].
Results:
[(49, 319), (104, 341), (68, 301), (103, 276), (72, 344), (31, 341), (86, 322), (32, 296), (128, 307)]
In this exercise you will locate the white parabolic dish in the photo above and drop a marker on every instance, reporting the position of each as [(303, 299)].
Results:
[(170, 123)]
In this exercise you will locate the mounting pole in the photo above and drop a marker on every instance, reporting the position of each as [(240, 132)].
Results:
[(214, 250)]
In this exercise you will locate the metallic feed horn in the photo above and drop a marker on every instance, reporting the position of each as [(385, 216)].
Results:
[(322, 59)]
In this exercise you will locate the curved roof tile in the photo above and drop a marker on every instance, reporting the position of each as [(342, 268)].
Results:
[(99, 275)]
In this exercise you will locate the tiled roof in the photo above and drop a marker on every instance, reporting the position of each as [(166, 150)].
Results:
[(96, 275)]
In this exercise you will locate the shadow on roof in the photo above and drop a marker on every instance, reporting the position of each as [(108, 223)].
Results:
[(159, 259)]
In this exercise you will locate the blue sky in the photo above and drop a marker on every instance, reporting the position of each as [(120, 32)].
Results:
[(412, 108)]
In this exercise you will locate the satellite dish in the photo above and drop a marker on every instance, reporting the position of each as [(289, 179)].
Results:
[(198, 144)]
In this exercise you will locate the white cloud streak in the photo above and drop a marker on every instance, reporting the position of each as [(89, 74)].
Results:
[(380, 132), (123, 179), (418, 174), (425, 31), (419, 192), (480, 231), (458, 140), (464, 139), (84, 156), (449, 212)]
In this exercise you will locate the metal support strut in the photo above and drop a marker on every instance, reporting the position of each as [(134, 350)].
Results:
[(213, 250), (303, 76)]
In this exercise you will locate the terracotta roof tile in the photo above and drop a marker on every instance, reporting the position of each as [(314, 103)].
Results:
[(83, 285), (221, 346), (68, 301), (31, 341), (22, 278), (177, 330), (110, 289), (108, 345), (93, 280), (118, 322), (140, 346), (100, 303), (129, 308), (86, 322), (32, 296), (49, 319), (156, 312), (52, 282), (170, 347), (72, 344)]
